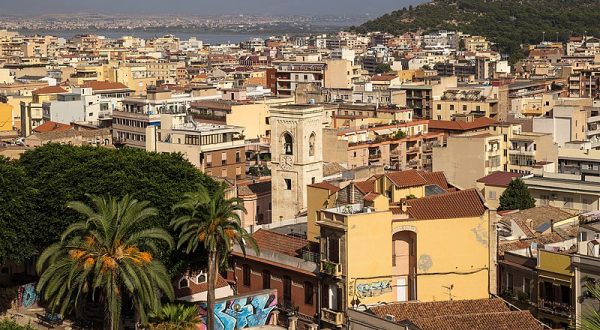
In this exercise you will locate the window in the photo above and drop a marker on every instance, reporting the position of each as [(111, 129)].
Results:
[(527, 286), (288, 184), (200, 278), (266, 279), (287, 290), (583, 236), (478, 108), (311, 144), (246, 275), (333, 249), (287, 144), (223, 158), (492, 195), (439, 107), (208, 160), (312, 180), (224, 173), (451, 107), (568, 202), (464, 108), (183, 283), (238, 157), (267, 120), (308, 293)]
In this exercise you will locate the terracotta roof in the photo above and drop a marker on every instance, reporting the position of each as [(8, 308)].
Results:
[(418, 310), (326, 185), (542, 239), (365, 186), (104, 85), (538, 215), (51, 126), (459, 204), (405, 179), (437, 178), (257, 188), (332, 168), (511, 320), (194, 288), (499, 179), (50, 90), (272, 241), (457, 125), (371, 196), (384, 77)]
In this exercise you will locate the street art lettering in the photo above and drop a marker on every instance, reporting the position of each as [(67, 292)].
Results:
[(373, 289), (239, 313)]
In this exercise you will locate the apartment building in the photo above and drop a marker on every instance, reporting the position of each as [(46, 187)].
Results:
[(406, 239), (137, 113), (420, 95), (502, 148), (217, 150), (565, 191), (476, 101), (32, 112), (290, 74), (406, 145)]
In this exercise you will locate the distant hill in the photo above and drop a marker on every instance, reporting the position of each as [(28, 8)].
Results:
[(508, 23)]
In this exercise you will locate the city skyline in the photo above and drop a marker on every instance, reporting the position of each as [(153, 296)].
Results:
[(206, 8)]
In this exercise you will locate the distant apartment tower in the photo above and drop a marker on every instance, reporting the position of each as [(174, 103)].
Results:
[(290, 74)]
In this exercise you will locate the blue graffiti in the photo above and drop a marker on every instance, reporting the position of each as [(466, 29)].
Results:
[(373, 289), (244, 312), (29, 295)]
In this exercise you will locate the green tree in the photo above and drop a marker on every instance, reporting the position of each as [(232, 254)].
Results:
[(590, 320), (211, 219), (18, 224), (176, 317), (516, 197), (383, 68), (63, 173), (12, 325), (110, 254)]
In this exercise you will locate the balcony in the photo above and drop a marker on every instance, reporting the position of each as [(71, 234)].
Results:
[(521, 151), (556, 308), (332, 317), (412, 150), (331, 268), (374, 155)]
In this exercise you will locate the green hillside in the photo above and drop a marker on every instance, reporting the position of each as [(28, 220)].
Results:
[(508, 23)]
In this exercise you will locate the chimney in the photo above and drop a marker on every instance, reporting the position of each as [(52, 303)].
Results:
[(529, 223)]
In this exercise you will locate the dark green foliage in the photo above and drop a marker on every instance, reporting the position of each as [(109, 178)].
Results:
[(516, 197), (383, 68), (18, 223), (62, 173), (509, 23)]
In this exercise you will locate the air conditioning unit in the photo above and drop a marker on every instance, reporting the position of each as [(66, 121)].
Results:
[(390, 317)]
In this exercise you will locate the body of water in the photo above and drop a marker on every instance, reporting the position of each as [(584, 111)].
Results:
[(206, 37)]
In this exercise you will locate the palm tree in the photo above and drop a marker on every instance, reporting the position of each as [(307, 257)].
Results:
[(591, 319), (109, 256), (213, 220), (176, 317)]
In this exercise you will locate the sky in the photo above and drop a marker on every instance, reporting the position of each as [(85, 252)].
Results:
[(205, 7)]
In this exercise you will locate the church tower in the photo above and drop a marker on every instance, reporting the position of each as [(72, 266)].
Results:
[(296, 156)]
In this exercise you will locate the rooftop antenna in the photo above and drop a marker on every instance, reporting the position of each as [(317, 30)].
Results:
[(543, 36)]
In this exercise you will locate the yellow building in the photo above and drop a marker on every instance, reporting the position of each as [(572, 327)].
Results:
[(555, 283), (374, 250), (6, 117)]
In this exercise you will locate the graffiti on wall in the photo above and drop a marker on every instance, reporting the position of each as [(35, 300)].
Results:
[(244, 312), (373, 289), (27, 297)]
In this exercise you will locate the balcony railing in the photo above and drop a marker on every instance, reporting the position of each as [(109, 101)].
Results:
[(331, 268), (556, 308), (332, 317)]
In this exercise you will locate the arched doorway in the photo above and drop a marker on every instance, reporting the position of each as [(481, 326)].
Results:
[(404, 262)]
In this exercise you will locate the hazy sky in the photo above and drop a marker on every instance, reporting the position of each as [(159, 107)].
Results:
[(205, 7)]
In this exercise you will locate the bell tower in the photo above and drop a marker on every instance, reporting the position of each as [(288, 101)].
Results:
[(296, 156)]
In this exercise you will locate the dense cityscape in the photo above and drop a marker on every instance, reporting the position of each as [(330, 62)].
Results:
[(298, 172)]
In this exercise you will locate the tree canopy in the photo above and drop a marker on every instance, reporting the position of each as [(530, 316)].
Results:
[(54, 174), (516, 197), (17, 223), (508, 23)]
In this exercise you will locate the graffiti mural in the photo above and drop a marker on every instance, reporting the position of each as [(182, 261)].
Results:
[(27, 297), (242, 312), (373, 289)]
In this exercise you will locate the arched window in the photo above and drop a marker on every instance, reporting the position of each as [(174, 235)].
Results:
[(311, 144), (287, 142), (183, 283)]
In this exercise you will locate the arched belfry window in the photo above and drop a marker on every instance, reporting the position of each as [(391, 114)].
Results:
[(311, 144), (287, 140)]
